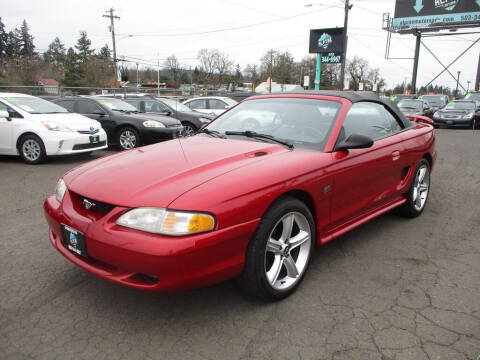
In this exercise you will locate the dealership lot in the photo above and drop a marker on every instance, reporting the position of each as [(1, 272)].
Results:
[(392, 289)]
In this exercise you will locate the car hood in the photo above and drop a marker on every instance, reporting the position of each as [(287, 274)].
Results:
[(156, 175), (71, 120), (166, 120)]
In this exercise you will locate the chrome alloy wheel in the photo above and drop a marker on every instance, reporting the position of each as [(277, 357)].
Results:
[(420, 187), (188, 130), (128, 140), (31, 150), (288, 251)]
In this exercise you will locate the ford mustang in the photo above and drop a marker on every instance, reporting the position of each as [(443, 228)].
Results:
[(250, 204)]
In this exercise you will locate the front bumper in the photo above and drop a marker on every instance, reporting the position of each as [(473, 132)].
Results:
[(154, 135), (453, 122), (148, 261), (74, 143)]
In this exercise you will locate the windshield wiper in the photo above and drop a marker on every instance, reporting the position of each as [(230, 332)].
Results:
[(213, 133), (254, 134)]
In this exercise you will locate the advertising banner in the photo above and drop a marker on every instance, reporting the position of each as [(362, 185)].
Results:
[(327, 41)]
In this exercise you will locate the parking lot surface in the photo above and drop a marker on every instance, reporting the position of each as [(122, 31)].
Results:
[(392, 289)]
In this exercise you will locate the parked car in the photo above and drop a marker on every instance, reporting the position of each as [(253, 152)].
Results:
[(458, 113), (214, 105), (436, 101), (35, 128), (415, 107), (122, 122), (230, 202), (397, 98), (473, 95)]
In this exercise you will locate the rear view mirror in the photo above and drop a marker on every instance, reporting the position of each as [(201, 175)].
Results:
[(355, 141), (4, 114)]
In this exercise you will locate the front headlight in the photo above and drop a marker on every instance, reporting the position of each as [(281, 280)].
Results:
[(60, 190), (167, 222), (153, 124), (53, 126), (468, 116)]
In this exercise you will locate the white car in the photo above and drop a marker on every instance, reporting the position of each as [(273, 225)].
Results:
[(214, 105), (35, 128)]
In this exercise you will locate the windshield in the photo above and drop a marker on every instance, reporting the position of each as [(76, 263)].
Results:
[(117, 104), (229, 101), (303, 122), (176, 105), (34, 105), (466, 105), (410, 104), (435, 100)]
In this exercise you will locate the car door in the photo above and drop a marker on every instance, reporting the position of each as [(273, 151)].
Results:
[(199, 105), (216, 106), (365, 179), (6, 132)]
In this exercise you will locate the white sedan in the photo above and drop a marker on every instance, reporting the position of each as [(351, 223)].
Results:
[(35, 128), (214, 105)]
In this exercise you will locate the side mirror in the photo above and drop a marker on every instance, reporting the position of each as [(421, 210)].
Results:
[(166, 113), (355, 141), (4, 114), (99, 112)]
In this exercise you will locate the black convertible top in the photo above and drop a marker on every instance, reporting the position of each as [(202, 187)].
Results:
[(354, 97)]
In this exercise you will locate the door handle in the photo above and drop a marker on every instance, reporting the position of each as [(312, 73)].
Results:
[(395, 155)]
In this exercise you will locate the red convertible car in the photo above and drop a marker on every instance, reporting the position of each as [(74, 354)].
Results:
[(249, 196)]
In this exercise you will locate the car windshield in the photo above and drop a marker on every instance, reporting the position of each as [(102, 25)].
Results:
[(117, 104), (34, 105), (410, 104), (176, 105), (435, 100), (229, 101), (460, 105), (305, 123)]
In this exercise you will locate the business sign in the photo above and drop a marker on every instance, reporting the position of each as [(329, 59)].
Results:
[(331, 58), (326, 41), (424, 14)]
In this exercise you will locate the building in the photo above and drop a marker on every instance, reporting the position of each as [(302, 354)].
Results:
[(50, 86)]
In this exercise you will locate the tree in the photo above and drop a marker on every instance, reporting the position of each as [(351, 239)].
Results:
[(3, 41), (27, 48), (55, 54), (214, 65), (268, 61), (83, 47), (13, 45), (238, 74), (124, 73), (74, 70), (105, 53), (360, 71), (173, 66)]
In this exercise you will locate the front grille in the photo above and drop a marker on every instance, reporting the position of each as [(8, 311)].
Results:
[(96, 209), (95, 206), (88, 132), (88, 146)]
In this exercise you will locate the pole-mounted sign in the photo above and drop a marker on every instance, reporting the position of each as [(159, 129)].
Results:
[(329, 45), (432, 14)]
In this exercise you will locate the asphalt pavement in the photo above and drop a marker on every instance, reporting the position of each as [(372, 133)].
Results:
[(392, 289)]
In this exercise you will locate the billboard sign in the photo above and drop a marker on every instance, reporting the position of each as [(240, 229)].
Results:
[(425, 14), (327, 41)]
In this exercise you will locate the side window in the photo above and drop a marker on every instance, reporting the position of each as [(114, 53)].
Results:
[(87, 107), (11, 113), (395, 125), (67, 104), (154, 106), (198, 104), (369, 119), (216, 104)]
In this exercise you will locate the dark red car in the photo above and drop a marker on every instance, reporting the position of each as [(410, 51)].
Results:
[(249, 196)]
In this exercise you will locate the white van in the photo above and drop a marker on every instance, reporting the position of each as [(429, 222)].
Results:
[(35, 128)]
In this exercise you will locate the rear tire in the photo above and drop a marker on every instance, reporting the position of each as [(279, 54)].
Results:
[(279, 253), (32, 150), (188, 128), (417, 195)]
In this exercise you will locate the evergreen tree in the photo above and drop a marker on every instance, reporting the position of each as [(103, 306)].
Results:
[(83, 47), (238, 73), (56, 54), (74, 71), (105, 52), (27, 48), (3, 41), (13, 45), (124, 73)]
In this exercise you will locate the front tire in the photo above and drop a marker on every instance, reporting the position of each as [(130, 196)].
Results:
[(188, 129), (417, 195), (32, 150), (279, 252), (128, 138)]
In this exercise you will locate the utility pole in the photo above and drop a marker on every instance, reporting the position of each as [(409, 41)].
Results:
[(158, 75), (476, 87), (458, 79), (415, 61), (271, 70), (137, 78), (109, 14), (344, 58)]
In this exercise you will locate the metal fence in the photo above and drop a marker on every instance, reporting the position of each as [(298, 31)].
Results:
[(51, 91)]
